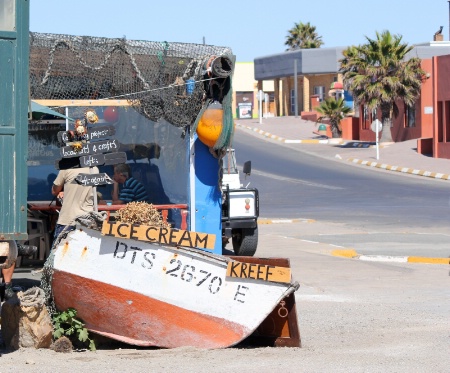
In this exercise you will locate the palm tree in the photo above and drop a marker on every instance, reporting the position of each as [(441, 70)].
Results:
[(335, 111), (378, 76), (303, 36)]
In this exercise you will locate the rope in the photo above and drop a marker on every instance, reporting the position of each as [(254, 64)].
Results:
[(170, 86), (33, 297), (117, 46), (151, 75), (93, 220)]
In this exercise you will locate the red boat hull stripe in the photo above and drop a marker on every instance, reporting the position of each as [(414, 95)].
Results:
[(131, 317)]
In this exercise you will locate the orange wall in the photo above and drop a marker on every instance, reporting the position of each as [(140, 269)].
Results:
[(366, 135), (350, 128), (427, 101), (441, 139), (424, 122), (443, 73)]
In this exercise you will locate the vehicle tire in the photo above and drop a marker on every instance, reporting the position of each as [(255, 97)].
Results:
[(245, 241)]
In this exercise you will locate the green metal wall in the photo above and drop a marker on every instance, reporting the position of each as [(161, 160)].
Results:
[(14, 56)]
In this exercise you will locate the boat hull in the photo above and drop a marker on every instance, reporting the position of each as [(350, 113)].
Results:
[(153, 295)]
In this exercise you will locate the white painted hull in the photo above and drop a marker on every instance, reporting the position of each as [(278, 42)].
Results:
[(152, 295)]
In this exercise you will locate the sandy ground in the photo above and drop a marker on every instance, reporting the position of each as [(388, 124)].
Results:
[(354, 316)]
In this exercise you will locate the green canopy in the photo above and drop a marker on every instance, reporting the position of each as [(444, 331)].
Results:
[(37, 108)]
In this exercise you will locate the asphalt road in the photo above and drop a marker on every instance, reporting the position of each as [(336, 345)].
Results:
[(373, 212)]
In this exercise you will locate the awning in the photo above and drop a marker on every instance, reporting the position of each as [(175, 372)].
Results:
[(38, 108)]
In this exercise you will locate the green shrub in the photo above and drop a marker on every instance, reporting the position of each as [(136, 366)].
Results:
[(66, 324)]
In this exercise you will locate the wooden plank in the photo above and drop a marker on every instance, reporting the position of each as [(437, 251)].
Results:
[(63, 137), (167, 236), (280, 328), (67, 137), (93, 179), (115, 158), (99, 147), (258, 271), (54, 103), (103, 159), (92, 160), (103, 132)]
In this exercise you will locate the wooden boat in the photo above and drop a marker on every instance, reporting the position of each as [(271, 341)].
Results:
[(148, 294)]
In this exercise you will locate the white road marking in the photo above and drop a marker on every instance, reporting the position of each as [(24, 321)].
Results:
[(298, 181), (384, 258)]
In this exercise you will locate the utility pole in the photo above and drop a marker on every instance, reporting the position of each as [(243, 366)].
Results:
[(295, 89)]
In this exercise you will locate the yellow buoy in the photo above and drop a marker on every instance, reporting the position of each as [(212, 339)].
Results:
[(210, 124)]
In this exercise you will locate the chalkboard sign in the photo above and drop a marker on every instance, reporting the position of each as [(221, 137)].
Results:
[(90, 149), (98, 147), (96, 133), (103, 159), (68, 136), (93, 179)]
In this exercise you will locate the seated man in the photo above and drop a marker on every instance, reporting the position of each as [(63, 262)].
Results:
[(132, 190)]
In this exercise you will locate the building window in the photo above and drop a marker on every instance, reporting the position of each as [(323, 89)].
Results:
[(446, 124), (8, 15), (320, 91), (244, 97), (410, 114), (367, 116)]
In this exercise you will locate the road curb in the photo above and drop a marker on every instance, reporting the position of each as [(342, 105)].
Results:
[(383, 166), (352, 254), (406, 170), (286, 141)]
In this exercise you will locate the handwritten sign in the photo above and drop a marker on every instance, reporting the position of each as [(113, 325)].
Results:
[(103, 159), (259, 272), (96, 133), (93, 179), (90, 148), (99, 133), (69, 137), (167, 236)]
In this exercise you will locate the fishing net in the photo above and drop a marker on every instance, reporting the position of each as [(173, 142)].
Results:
[(93, 220), (161, 80), (164, 82)]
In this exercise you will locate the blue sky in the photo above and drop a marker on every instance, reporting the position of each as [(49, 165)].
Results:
[(250, 28)]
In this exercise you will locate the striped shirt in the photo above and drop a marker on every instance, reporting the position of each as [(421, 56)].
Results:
[(133, 190)]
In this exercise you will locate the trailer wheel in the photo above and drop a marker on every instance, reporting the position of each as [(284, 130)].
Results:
[(245, 241)]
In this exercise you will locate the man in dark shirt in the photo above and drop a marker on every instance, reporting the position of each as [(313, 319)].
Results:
[(132, 190)]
